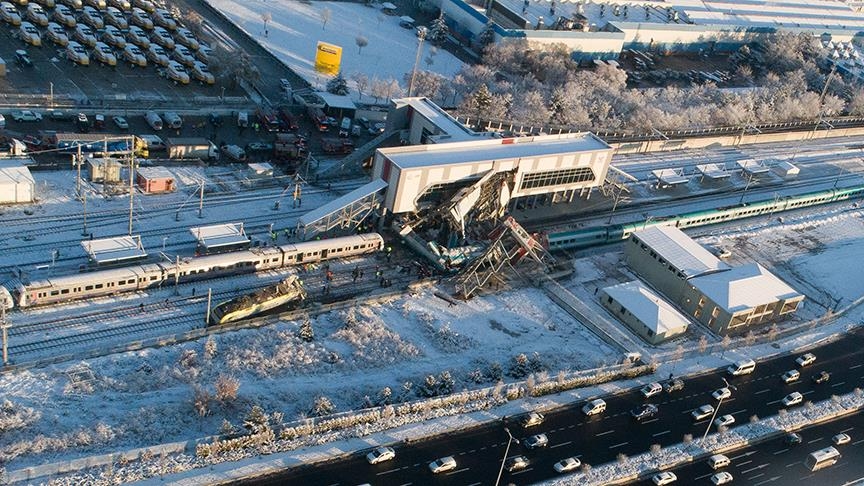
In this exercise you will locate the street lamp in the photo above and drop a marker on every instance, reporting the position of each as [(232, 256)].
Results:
[(421, 36), (506, 451), (164, 239), (718, 408)]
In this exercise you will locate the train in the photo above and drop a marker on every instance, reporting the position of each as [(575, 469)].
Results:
[(602, 235), (154, 275)]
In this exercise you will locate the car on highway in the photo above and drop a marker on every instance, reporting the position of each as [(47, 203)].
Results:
[(113, 37), (76, 53), (793, 398), (841, 439), (674, 384), (567, 465), (793, 438), (187, 38), (184, 56), (157, 55), (138, 37), (381, 454), (26, 116), (516, 463), (10, 14), (536, 441), (120, 122), (84, 35), (30, 34), (103, 53), (23, 59), (790, 376), (651, 389), (722, 393), (805, 360), (163, 18), (57, 34), (63, 15), (644, 411), (531, 419), (145, 5), (163, 38), (442, 465), (134, 55), (92, 17), (724, 421), (665, 477), (594, 407), (82, 123), (36, 14), (115, 17), (141, 19), (122, 5), (73, 4), (722, 477), (202, 73), (177, 73), (702, 412), (821, 377)]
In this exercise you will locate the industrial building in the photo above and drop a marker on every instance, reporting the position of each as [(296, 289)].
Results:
[(644, 312), (16, 183), (726, 299), (155, 180), (425, 122), (103, 169)]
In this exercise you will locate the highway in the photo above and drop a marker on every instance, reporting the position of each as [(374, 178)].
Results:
[(776, 463), (595, 440)]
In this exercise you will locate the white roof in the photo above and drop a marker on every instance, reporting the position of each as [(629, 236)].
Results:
[(657, 314), (260, 167), (752, 167), (744, 287), (469, 153), (456, 132), (155, 173), (337, 101), (689, 257), (220, 235), (388, 6), (114, 249), (713, 171), (671, 176), (16, 174), (341, 202)]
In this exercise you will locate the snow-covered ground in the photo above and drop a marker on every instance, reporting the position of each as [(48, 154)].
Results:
[(297, 27)]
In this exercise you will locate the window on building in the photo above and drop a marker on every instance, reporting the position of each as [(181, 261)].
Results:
[(557, 177)]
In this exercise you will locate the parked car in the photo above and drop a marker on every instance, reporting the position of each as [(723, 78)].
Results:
[(113, 37), (30, 34), (722, 393), (805, 360), (184, 56), (122, 5), (724, 421), (673, 385), (138, 37), (134, 55), (26, 116), (63, 15), (380, 454), (92, 17), (103, 53), (790, 376), (173, 120), (10, 14), (120, 122), (841, 439), (202, 74), (531, 419), (163, 38), (145, 5), (793, 398), (442, 465), (187, 38), (702, 412), (793, 438), (644, 411), (215, 119), (157, 55), (82, 123), (23, 59), (177, 73), (73, 4), (57, 34), (722, 477), (204, 53), (651, 389), (665, 477), (115, 17), (536, 441), (516, 463), (36, 14), (567, 465), (141, 19), (162, 17), (821, 377), (76, 53), (84, 35)]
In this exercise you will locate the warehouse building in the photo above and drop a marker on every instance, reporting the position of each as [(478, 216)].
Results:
[(644, 312), (16, 183), (155, 180)]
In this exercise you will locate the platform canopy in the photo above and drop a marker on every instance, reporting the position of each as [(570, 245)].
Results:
[(670, 177), (114, 250), (220, 236), (752, 167), (713, 171)]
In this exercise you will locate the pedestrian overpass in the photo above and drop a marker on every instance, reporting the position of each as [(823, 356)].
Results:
[(345, 212)]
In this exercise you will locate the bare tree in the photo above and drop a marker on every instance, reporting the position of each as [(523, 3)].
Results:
[(703, 344), (266, 17), (201, 401), (226, 388), (725, 343), (655, 449), (361, 43), (326, 14), (361, 81)]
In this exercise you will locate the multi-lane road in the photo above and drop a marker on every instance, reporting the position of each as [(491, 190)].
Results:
[(595, 440)]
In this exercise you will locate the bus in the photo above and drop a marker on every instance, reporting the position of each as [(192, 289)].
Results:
[(822, 458)]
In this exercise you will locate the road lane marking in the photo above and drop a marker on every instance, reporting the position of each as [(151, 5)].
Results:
[(561, 444), (658, 434), (703, 476), (769, 480), (744, 463), (522, 471), (739, 411), (388, 472), (775, 401), (652, 420), (458, 471), (748, 453), (808, 392), (605, 433), (409, 484), (754, 469), (618, 445), (854, 367), (762, 391), (838, 384), (858, 442), (756, 476), (475, 484), (847, 430), (792, 464), (815, 440), (781, 451)]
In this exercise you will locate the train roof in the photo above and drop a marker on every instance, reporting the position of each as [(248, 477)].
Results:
[(112, 274)]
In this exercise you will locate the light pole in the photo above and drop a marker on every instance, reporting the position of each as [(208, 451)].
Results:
[(717, 409), (164, 239), (421, 36), (510, 440)]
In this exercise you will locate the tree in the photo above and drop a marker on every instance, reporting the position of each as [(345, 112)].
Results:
[(655, 449), (530, 108), (201, 401), (256, 421), (726, 342), (487, 35), (338, 85), (361, 81), (385, 395), (266, 17), (226, 388), (426, 83), (445, 383), (361, 43), (326, 14), (322, 406), (306, 332), (480, 100), (210, 348), (438, 30)]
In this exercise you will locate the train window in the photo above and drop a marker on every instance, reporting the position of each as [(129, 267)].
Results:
[(55, 292), (355, 247), (88, 287), (122, 282), (153, 278), (64, 291), (99, 286)]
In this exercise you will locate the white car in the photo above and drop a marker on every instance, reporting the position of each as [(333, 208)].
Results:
[(84, 35), (177, 73), (138, 37), (10, 14), (536, 441), (36, 14), (141, 19), (665, 477), (26, 116), (532, 419), (64, 16), (381, 454), (187, 38), (598, 405), (567, 465), (722, 393), (721, 478), (516, 463), (157, 55), (841, 439), (57, 34), (73, 4), (702, 412), (442, 465), (651, 389), (30, 34), (790, 376), (104, 54), (115, 17), (134, 55), (113, 37), (76, 53), (806, 360), (793, 398), (184, 56), (145, 5), (163, 38), (202, 74), (164, 18), (92, 17), (724, 421)]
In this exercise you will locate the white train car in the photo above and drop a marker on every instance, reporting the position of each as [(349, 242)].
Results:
[(347, 246), (80, 286)]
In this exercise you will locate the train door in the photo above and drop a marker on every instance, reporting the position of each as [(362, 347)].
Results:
[(323, 254), (300, 257)]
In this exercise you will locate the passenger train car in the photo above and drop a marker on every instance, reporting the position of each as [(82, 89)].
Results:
[(149, 275), (601, 235)]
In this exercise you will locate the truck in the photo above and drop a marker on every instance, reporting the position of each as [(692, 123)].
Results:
[(318, 118), (337, 145), (268, 119), (191, 148), (96, 144), (289, 146), (234, 153), (289, 120)]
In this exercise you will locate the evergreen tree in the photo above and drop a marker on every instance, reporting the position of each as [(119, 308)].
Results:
[(481, 100), (438, 31), (487, 35), (257, 421), (306, 332), (338, 85)]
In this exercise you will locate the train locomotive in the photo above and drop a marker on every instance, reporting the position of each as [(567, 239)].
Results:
[(155, 275)]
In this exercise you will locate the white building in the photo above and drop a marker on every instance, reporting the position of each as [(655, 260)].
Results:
[(16, 183), (645, 312)]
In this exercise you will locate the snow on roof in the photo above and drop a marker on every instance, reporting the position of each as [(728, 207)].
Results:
[(713, 171), (220, 235), (388, 6), (751, 166), (260, 167), (670, 176), (744, 287), (657, 314), (16, 174), (336, 101), (341, 202), (689, 257), (115, 249), (495, 149), (155, 173), (456, 131), (790, 13)]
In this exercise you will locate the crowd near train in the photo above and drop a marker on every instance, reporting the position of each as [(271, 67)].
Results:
[(601, 235), (155, 275)]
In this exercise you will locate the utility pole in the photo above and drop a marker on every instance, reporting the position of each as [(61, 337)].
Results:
[(78, 180), (209, 301), (131, 189), (421, 36), (177, 275), (201, 201), (4, 325), (84, 231)]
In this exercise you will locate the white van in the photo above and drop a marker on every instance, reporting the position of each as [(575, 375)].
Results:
[(345, 127), (242, 119), (173, 120), (717, 461), (594, 407), (153, 142), (153, 120), (743, 367)]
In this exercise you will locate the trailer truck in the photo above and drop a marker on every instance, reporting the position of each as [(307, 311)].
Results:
[(191, 148)]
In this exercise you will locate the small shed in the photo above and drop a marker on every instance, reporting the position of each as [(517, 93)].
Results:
[(155, 180), (645, 312), (786, 170), (16, 183), (338, 106), (261, 170), (388, 8), (103, 169)]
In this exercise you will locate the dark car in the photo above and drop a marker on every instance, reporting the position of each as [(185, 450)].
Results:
[(82, 123), (821, 377), (644, 411), (215, 119), (60, 115), (673, 385), (793, 438), (23, 59)]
